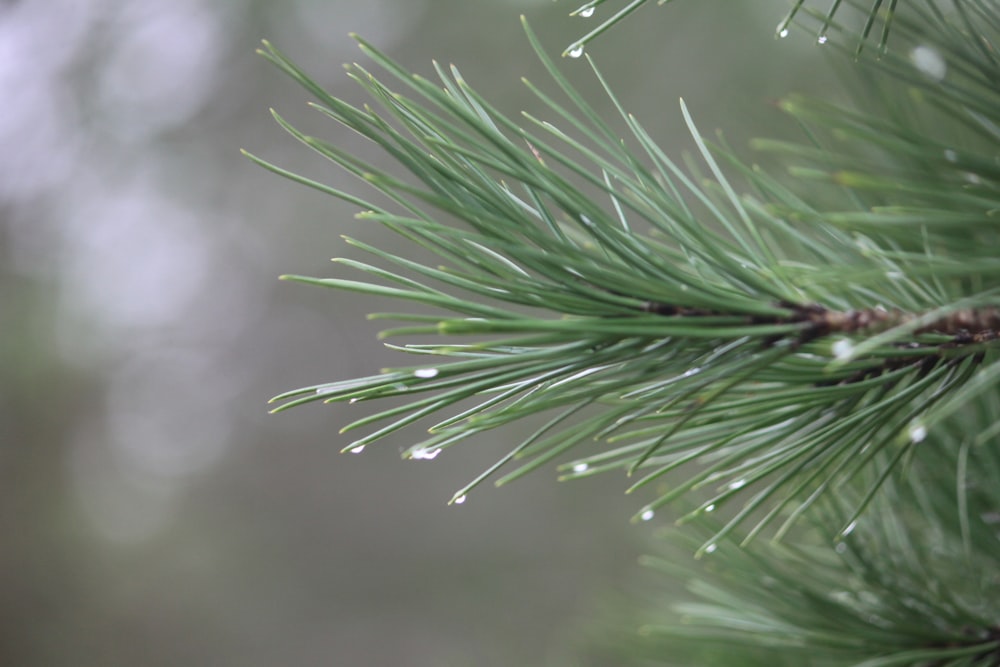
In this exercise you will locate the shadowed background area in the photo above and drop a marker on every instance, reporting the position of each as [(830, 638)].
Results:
[(153, 513)]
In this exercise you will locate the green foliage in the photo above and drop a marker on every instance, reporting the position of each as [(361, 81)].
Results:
[(720, 341), (914, 583), (813, 356)]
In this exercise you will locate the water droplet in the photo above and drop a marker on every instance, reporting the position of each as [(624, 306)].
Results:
[(842, 348), (424, 454), (586, 13), (894, 275), (358, 450), (917, 433), (710, 508), (783, 33), (459, 500), (840, 547), (929, 61), (691, 371), (822, 39), (576, 51), (580, 467), (949, 154), (711, 548), (850, 529), (738, 484), (425, 373), (647, 515), (353, 400)]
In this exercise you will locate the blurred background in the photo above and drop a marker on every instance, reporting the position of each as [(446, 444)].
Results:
[(153, 512)]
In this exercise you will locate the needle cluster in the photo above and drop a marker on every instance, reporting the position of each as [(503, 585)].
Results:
[(814, 357)]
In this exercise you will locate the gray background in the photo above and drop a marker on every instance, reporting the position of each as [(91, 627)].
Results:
[(152, 512)]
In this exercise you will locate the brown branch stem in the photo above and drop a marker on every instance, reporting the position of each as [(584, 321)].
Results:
[(965, 326)]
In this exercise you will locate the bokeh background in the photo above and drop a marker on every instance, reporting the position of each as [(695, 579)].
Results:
[(152, 511)]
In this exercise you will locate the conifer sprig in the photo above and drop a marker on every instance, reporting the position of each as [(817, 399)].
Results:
[(657, 321), (778, 352)]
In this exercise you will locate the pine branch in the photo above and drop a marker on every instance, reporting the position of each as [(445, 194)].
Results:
[(815, 357), (771, 350)]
